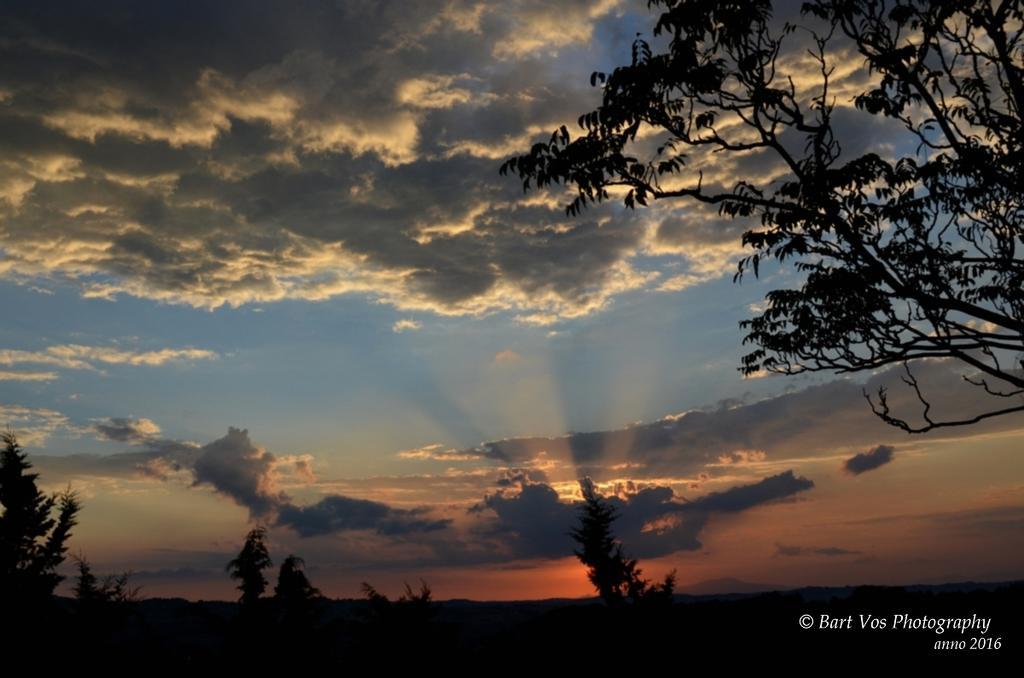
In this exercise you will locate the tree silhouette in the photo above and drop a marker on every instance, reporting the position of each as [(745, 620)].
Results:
[(247, 567), (616, 577), (292, 584), (87, 586), (102, 608), (89, 591), (297, 605), (599, 551), (414, 606), (907, 254), (408, 622), (33, 542)]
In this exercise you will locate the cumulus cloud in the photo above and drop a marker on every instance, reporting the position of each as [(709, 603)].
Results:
[(522, 516), (533, 521), (248, 474), (652, 521), (237, 468), (868, 461)]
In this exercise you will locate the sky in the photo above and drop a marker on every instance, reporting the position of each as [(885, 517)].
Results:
[(258, 266)]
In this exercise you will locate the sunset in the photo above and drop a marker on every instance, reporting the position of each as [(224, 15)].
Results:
[(370, 281)]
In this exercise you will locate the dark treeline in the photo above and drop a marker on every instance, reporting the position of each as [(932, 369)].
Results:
[(107, 624)]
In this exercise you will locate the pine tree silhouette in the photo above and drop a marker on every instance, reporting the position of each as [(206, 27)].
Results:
[(247, 567), (87, 585), (616, 577), (33, 542), (89, 591), (599, 550), (292, 584)]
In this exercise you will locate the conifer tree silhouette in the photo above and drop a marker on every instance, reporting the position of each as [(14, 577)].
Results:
[(247, 567), (90, 591), (599, 551), (292, 584), (616, 577), (33, 541)]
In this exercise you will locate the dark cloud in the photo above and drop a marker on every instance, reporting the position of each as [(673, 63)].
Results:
[(237, 468), (340, 147), (532, 521), (246, 473), (830, 551), (523, 517), (336, 513), (868, 461), (516, 477), (126, 430), (652, 521), (747, 496)]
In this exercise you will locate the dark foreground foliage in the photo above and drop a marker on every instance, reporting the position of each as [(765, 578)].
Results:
[(415, 630)]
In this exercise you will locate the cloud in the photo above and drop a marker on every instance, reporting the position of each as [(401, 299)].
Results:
[(246, 473), (406, 325), (359, 160), (438, 452), (829, 551), (540, 27), (520, 477), (868, 461), (740, 457), (817, 421), (523, 516), (747, 496), (652, 521), (6, 375), (1005, 519), (336, 513), (33, 425), (355, 155), (79, 357), (237, 468), (441, 91), (218, 100), (534, 522), (158, 460), (126, 429)]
